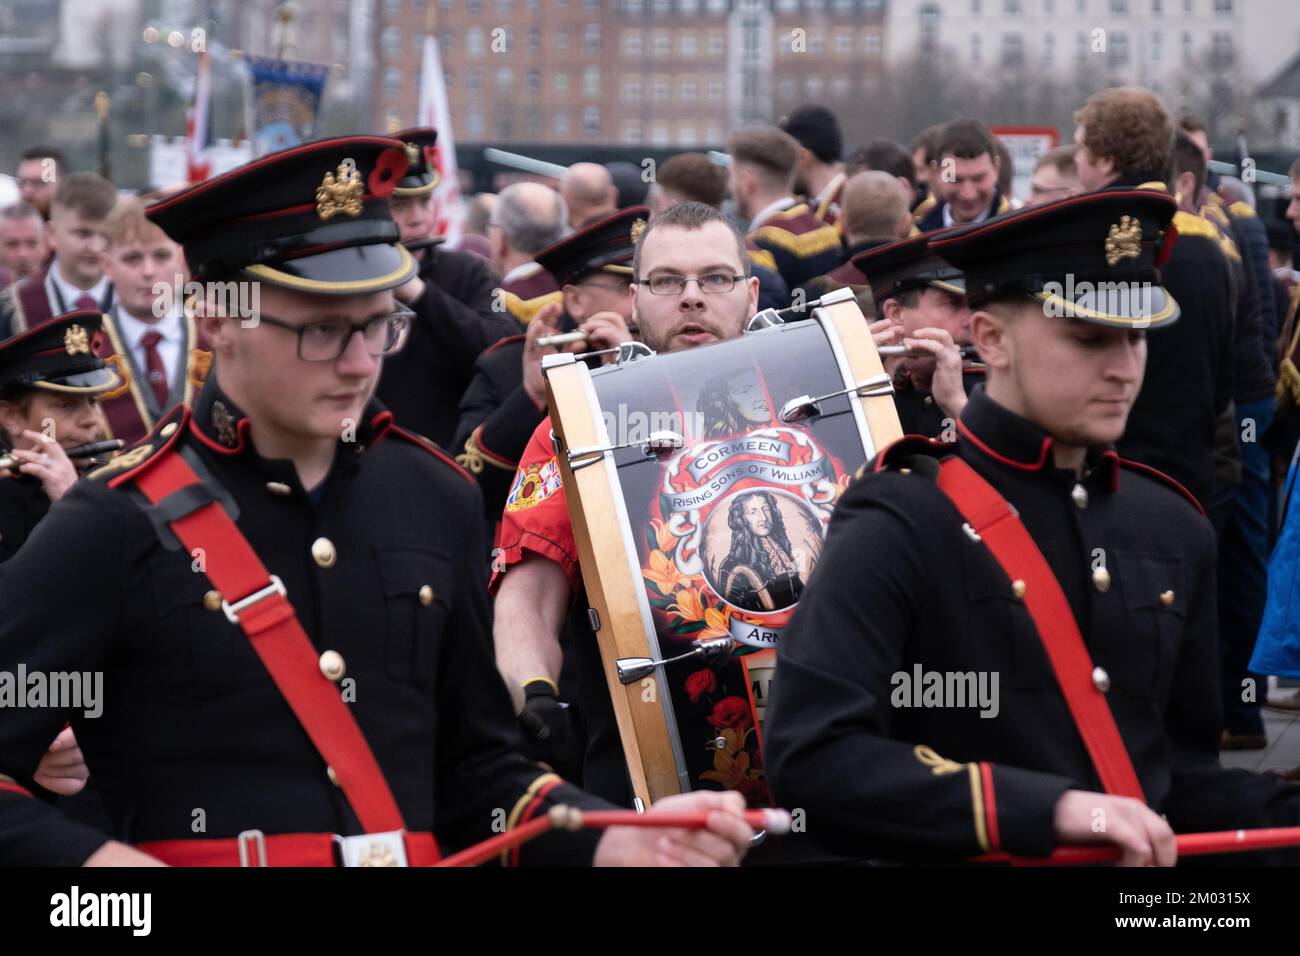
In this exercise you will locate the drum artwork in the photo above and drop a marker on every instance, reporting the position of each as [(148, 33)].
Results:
[(700, 487)]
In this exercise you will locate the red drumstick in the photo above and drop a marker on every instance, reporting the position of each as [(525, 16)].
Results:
[(1189, 844), (569, 818)]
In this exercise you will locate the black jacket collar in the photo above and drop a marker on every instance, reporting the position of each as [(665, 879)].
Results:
[(1015, 442)]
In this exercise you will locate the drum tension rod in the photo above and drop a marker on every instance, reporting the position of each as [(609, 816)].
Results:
[(659, 445), (805, 407), (633, 669)]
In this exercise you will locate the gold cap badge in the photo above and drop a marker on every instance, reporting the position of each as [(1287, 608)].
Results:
[(1124, 241), (75, 340), (638, 227), (341, 195)]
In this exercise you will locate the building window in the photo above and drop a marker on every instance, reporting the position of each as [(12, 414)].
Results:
[(447, 42), (1187, 47), (659, 91), (1223, 8), (475, 7), (872, 6), (1221, 52), (1157, 7), (561, 40), (843, 44), (632, 90), (1155, 48), (663, 44), (505, 127), (474, 123), (1080, 6), (787, 6), (1049, 48), (393, 8), (690, 91), (631, 6), (448, 78), (560, 125), (716, 6), (1119, 49), (717, 44), (505, 79), (1011, 8), (534, 126), (631, 135), (714, 135), (1081, 46), (1013, 49), (1119, 7), (447, 4), (591, 121), (474, 41), (561, 82), (840, 87), (663, 8), (591, 81), (591, 38), (787, 89), (534, 40), (816, 43), (715, 89), (474, 81), (659, 135), (392, 81), (632, 44), (812, 86), (1049, 7), (976, 51), (871, 44), (690, 44), (976, 7), (505, 6), (534, 80), (688, 7), (929, 15), (391, 39), (686, 136), (591, 6)]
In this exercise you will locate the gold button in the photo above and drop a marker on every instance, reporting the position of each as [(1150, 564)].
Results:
[(212, 600), (1018, 588), (169, 430), (1080, 495), (334, 777), (929, 400), (426, 595), (1100, 679), (1101, 580), (278, 488), (332, 666), (1167, 598), (322, 549)]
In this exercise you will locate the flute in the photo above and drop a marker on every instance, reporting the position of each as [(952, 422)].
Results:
[(967, 352), (81, 451), (560, 338)]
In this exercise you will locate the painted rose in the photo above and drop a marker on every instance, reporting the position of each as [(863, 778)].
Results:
[(701, 683), (730, 712)]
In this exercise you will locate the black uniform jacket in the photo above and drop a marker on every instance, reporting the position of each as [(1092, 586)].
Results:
[(900, 588), (454, 322), (23, 502), (191, 719)]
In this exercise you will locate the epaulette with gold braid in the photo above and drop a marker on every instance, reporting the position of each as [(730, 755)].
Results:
[(811, 243), (525, 309)]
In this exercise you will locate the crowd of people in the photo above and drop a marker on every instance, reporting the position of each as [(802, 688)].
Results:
[(334, 588)]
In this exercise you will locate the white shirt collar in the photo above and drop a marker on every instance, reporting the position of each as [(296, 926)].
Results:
[(133, 330), (770, 210), (521, 271), (829, 189), (70, 292)]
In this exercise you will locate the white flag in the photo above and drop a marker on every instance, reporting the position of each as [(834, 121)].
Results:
[(434, 112)]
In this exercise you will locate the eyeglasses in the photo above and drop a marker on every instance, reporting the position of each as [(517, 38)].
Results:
[(326, 341), (668, 284)]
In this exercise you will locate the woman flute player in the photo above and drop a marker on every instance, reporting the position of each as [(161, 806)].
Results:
[(49, 383)]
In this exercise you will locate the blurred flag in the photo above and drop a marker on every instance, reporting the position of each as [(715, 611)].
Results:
[(198, 131), (434, 112), (285, 102)]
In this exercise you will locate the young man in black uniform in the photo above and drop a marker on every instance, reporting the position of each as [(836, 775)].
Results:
[(303, 673), (48, 389), (1083, 582), (452, 298)]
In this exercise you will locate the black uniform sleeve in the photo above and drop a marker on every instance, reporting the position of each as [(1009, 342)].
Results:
[(59, 599), (482, 777), (456, 328), (1204, 796), (497, 419), (829, 748)]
